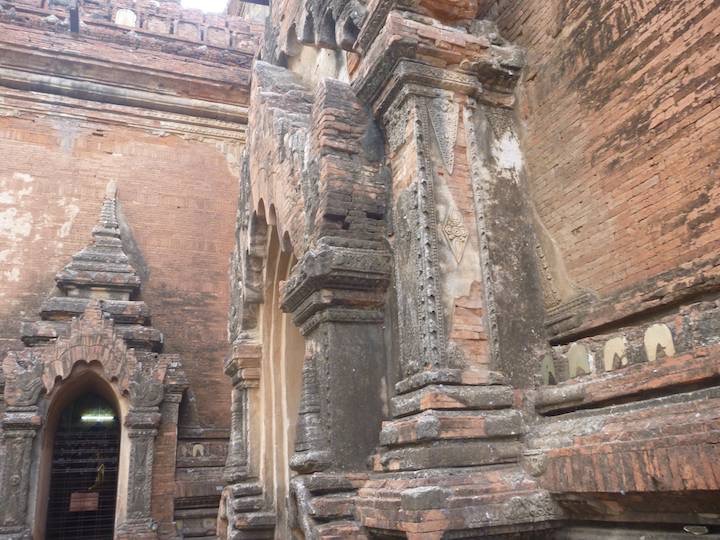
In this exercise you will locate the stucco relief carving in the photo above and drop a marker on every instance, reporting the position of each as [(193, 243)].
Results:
[(455, 233), (443, 113), (146, 388), (23, 371), (477, 127), (396, 124), (138, 376), (92, 339)]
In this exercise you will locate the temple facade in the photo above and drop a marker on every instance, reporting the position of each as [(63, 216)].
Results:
[(360, 269)]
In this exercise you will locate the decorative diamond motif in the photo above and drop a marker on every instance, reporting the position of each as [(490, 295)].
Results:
[(455, 233)]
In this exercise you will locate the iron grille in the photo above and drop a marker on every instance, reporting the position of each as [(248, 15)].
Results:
[(83, 484)]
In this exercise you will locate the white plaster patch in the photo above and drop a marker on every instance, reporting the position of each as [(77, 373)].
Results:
[(580, 360), (7, 198), (23, 177), (507, 152), (71, 212), (126, 17), (13, 275), (67, 131), (13, 225)]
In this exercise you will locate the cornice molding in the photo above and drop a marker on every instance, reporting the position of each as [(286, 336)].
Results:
[(115, 95)]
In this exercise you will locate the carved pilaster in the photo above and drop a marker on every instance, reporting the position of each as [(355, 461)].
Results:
[(243, 368), (236, 464), (20, 426), (243, 512), (447, 283), (142, 422), (438, 244), (335, 294), (142, 428), (311, 445)]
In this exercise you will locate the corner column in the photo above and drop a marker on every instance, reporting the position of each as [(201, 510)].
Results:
[(454, 407), (147, 391), (243, 368), (166, 445), (243, 512), (336, 296)]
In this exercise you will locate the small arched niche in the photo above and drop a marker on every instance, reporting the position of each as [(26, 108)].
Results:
[(283, 357)]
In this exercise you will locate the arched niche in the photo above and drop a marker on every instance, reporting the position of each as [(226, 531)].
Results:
[(267, 369), (42, 381), (283, 353), (85, 380)]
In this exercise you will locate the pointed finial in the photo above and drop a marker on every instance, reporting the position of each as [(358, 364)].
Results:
[(111, 190), (108, 224)]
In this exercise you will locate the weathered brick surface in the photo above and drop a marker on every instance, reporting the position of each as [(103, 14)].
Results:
[(177, 196), (620, 108), (383, 152), (176, 172)]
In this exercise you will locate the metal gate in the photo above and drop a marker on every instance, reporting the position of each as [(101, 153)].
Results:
[(83, 483)]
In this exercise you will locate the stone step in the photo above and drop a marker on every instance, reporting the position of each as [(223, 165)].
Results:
[(121, 311), (342, 529), (246, 489), (255, 525), (332, 506), (447, 397), (443, 454), (320, 483), (438, 425), (248, 504)]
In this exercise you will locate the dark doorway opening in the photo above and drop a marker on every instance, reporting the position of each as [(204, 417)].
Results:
[(83, 481)]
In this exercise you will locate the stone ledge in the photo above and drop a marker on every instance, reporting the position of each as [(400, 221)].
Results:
[(122, 312), (452, 397), (633, 383), (486, 501), (449, 425), (459, 453)]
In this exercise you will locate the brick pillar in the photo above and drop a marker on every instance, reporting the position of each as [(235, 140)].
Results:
[(335, 294), (243, 512), (243, 367)]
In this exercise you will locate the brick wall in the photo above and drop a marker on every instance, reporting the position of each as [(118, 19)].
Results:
[(177, 195), (620, 111)]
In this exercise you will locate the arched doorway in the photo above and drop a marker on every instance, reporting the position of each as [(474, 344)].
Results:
[(84, 473)]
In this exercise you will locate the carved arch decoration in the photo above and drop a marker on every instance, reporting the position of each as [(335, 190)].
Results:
[(92, 339), (35, 377)]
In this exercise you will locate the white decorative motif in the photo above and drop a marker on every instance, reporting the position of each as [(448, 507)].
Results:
[(658, 342), (579, 360), (455, 233), (615, 354), (443, 114)]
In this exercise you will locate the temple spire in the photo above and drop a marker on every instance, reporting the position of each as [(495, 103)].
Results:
[(102, 269), (98, 279)]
